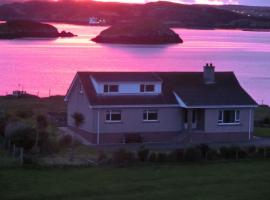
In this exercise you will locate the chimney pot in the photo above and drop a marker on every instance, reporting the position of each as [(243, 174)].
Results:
[(209, 74)]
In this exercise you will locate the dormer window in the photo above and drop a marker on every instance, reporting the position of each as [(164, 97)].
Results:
[(147, 88), (110, 88)]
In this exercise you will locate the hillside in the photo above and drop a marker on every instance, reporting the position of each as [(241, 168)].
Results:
[(172, 14)]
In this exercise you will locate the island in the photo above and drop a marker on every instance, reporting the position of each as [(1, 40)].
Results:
[(138, 32), (30, 29)]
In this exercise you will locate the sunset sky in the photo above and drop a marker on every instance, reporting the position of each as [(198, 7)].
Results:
[(217, 2)]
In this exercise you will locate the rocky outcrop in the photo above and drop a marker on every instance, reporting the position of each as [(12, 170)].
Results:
[(138, 32), (24, 28)]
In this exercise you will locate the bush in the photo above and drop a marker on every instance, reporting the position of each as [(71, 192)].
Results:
[(143, 154), (24, 114), (161, 157), (152, 157), (122, 157), (176, 155), (102, 158), (212, 154), (251, 150), (3, 122), (65, 141), (233, 152), (193, 154), (21, 134), (204, 148)]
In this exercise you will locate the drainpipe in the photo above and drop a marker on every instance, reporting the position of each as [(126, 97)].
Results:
[(249, 127), (98, 127)]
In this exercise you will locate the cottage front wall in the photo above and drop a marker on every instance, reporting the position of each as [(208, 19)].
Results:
[(212, 125), (169, 120), (77, 102)]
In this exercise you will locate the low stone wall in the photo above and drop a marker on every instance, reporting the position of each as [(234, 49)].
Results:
[(164, 137)]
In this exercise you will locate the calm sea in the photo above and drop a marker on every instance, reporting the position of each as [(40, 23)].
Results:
[(44, 67)]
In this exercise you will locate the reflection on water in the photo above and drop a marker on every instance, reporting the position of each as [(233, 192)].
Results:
[(43, 65)]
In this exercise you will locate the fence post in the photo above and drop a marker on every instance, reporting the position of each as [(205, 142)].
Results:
[(21, 156), (14, 150)]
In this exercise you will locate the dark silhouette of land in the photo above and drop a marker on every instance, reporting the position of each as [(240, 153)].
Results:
[(138, 32), (25, 28), (172, 14)]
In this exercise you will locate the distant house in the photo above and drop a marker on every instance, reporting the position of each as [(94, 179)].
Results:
[(122, 107), (94, 21)]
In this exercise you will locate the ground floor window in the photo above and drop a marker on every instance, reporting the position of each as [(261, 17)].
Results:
[(150, 115), (229, 117), (113, 116)]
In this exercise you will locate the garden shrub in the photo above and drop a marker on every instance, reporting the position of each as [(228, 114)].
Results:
[(21, 134), (251, 151), (122, 157), (204, 148), (152, 157), (24, 114), (161, 157), (176, 155), (212, 154), (65, 141), (261, 152), (143, 154), (193, 154)]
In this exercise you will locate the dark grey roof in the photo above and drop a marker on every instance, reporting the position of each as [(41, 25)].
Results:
[(125, 76), (189, 86)]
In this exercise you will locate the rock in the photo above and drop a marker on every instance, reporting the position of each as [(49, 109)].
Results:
[(138, 32), (66, 34), (25, 28)]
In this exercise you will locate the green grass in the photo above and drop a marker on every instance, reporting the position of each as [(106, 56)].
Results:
[(215, 181), (262, 132)]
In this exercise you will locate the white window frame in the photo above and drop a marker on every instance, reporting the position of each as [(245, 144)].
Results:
[(236, 117), (110, 113), (109, 85), (144, 85), (147, 112)]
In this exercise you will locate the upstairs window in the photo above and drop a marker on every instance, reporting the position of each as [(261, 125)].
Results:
[(147, 88), (110, 88), (229, 117), (113, 116), (150, 115)]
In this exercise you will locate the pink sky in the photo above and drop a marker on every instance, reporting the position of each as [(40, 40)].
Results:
[(213, 2)]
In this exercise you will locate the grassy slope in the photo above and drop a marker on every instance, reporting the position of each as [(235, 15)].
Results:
[(229, 181), (38, 105)]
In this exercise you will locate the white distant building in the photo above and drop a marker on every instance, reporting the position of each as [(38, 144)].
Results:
[(94, 21)]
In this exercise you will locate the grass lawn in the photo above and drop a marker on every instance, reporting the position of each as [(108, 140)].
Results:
[(262, 132), (213, 181)]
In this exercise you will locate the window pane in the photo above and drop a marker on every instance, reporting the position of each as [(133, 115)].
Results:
[(150, 88), (113, 88), (142, 88), (116, 117), (237, 116), (220, 116), (229, 116), (152, 116), (106, 88)]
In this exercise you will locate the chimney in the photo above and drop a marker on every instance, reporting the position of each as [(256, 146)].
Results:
[(209, 74)]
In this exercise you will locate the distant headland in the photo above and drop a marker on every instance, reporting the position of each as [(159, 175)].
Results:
[(30, 29), (138, 32)]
